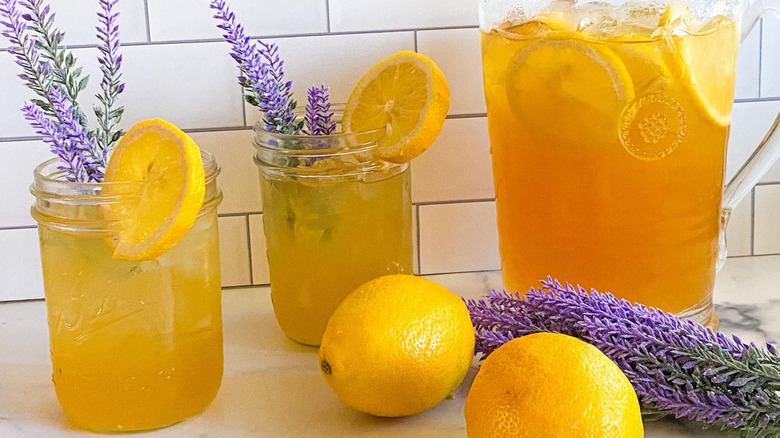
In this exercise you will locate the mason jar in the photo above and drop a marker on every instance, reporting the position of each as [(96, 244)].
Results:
[(135, 345), (334, 217)]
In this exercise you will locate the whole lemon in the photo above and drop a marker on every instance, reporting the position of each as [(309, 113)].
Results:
[(554, 386), (397, 346)]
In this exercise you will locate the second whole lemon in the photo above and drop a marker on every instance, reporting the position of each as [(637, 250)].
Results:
[(397, 346), (554, 386)]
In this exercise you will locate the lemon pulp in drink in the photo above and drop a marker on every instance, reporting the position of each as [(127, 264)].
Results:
[(608, 141)]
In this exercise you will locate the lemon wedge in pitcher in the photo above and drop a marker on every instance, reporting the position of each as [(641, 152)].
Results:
[(708, 63), (167, 164), (407, 94)]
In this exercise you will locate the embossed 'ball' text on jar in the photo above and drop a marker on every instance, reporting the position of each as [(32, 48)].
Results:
[(135, 345), (334, 217)]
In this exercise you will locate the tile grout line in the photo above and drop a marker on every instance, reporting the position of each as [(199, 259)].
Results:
[(753, 221), (277, 36), (419, 246), (217, 129), (245, 286), (760, 52), (243, 106), (467, 116), (327, 15), (246, 127), (476, 271), (757, 255), (14, 139), (23, 300), (757, 99), (415, 42), (249, 249), (18, 227), (187, 130), (245, 213), (455, 201), (148, 25)]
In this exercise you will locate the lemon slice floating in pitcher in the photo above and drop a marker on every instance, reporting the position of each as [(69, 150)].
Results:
[(406, 93), (568, 87), (167, 162)]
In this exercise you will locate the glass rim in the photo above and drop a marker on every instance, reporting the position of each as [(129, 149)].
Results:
[(494, 14), (340, 142), (48, 179)]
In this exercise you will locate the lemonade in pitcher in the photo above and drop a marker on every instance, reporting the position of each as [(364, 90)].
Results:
[(608, 128)]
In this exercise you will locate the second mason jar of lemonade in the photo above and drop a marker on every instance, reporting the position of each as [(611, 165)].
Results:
[(334, 217)]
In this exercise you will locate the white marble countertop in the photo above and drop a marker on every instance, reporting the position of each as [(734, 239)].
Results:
[(272, 387)]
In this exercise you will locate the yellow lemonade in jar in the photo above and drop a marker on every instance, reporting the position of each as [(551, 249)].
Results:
[(328, 234), (135, 341), (608, 142), (134, 344)]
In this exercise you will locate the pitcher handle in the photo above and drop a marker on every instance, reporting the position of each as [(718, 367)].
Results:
[(768, 150)]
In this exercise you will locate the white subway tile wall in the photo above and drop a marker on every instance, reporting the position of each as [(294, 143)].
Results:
[(260, 273), (458, 237), (21, 265), (740, 229), (457, 53), (766, 220), (177, 67), (234, 251), (770, 57)]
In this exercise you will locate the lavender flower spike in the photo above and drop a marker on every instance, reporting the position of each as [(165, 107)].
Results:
[(111, 86), (262, 73), (678, 368), (319, 117), (58, 143), (91, 157)]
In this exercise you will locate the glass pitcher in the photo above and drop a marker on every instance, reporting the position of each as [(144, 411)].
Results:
[(608, 127)]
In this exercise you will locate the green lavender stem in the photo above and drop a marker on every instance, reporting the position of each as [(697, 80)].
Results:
[(107, 133), (64, 74)]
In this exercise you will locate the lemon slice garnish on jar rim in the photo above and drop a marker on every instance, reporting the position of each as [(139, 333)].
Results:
[(168, 165), (408, 94)]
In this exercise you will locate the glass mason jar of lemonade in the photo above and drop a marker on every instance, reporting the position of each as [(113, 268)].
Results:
[(608, 127), (135, 345), (334, 217)]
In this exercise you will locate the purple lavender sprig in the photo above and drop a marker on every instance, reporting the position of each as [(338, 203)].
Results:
[(262, 73), (57, 142), (111, 86), (93, 159), (676, 367), (319, 117), (68, 141), (51, 72)]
